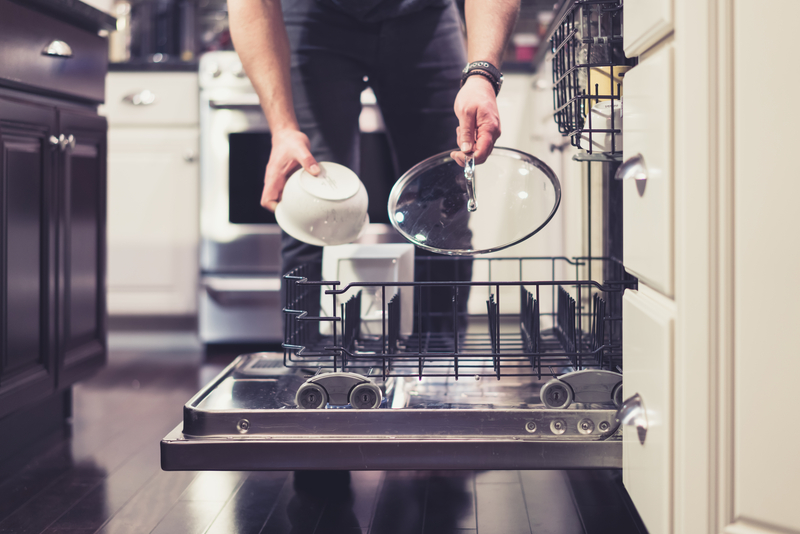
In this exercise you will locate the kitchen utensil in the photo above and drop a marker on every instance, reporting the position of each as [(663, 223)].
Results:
[(329, 209), (430, 204)]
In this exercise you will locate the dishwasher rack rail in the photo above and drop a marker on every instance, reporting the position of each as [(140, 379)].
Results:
[(554, 327)]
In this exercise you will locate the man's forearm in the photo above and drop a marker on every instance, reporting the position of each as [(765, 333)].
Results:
[(489, 26), (259, 36)]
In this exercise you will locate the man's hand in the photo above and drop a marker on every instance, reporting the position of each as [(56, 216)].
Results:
[(479, 121), (290, 151)]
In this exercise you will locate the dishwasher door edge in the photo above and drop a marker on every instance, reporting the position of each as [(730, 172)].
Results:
[(182, 453)]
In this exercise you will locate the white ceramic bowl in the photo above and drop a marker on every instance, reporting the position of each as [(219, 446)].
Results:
[(329, 209)]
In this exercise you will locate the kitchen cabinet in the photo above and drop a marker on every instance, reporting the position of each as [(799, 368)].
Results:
[(53, 180), (153, 193), (728, 379), (52, 216), (647, 203)]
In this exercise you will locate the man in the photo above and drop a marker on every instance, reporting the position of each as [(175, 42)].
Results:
[(309, 61)]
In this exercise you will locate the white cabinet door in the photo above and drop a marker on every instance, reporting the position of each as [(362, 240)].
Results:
[(648, 320), (648, 204), (646, 23), (766, 355), (152, 220)]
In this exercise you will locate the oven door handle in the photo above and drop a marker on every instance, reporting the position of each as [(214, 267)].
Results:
[(241, 102), (242, 285)]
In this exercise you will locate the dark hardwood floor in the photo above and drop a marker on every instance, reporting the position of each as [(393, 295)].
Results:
[(106, 476)]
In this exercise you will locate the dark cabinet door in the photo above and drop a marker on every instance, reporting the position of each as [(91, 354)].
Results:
[(27, 252), (83, 242)]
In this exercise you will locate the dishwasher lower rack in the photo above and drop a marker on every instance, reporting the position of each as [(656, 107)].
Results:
[(551, 326), (451, 410)]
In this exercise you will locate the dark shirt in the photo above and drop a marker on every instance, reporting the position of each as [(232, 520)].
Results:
[(378, 10)]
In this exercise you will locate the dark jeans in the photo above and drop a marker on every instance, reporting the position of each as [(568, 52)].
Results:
[(413, 64)]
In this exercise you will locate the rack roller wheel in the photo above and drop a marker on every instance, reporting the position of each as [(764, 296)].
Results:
[(366, 396), (311, 396), (556, 394)]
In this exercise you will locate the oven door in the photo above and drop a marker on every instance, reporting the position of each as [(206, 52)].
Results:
[(237, 234)]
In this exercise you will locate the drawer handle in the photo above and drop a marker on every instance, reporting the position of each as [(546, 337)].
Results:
[(633, 169), (57, 48), (142, 98), (633, 413)]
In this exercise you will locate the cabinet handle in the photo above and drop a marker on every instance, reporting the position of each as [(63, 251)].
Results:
[(57, 48), (142, 98), (66, 142), (190, 156), (54, 141), (633, 169), (632, 413)]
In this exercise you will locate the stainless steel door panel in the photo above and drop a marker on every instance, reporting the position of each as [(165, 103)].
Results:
[(240, 310)]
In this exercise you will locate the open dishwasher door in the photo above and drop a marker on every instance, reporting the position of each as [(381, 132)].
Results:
[(240, 422), (526, 390)]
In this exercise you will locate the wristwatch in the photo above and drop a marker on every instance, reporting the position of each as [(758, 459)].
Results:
[(485, 69)]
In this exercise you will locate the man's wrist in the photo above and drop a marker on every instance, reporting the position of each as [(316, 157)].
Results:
[(481, 79)]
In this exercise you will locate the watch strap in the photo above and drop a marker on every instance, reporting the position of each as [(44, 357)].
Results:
[(485, 69)]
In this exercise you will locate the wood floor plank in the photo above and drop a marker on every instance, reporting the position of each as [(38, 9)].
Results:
[(599, 503), (501, 509), (214, 486), (295, 512), (353, 506), (112, 494), (401, 505), (450, 505), (40, 474), (38, 513), (551, 509), (189, 517), (146, 509), (249, 508)]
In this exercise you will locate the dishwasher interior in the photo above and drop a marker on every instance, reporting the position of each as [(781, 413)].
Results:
[(532, 379)]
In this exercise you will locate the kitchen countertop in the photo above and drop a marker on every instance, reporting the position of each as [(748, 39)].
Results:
[(73, 11), (144, 66)]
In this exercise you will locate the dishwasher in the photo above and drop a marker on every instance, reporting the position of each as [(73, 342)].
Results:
[(530, 379)]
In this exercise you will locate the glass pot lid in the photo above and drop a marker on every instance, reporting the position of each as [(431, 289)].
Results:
[(515, 196)]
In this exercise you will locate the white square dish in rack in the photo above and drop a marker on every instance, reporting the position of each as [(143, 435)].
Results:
[(385, 263)]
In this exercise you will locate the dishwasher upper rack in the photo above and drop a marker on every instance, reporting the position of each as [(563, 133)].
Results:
[(586, 43), (579, 327)]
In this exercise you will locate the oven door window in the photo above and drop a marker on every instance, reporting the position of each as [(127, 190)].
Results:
[(249, 153)]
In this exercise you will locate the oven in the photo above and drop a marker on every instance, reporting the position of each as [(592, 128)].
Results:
[(239, 290)]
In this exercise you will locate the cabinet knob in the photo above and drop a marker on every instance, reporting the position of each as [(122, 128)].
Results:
[(190, 156), (632, 413), (65, 142), (57, 48), (53, 140), (142, 98)]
